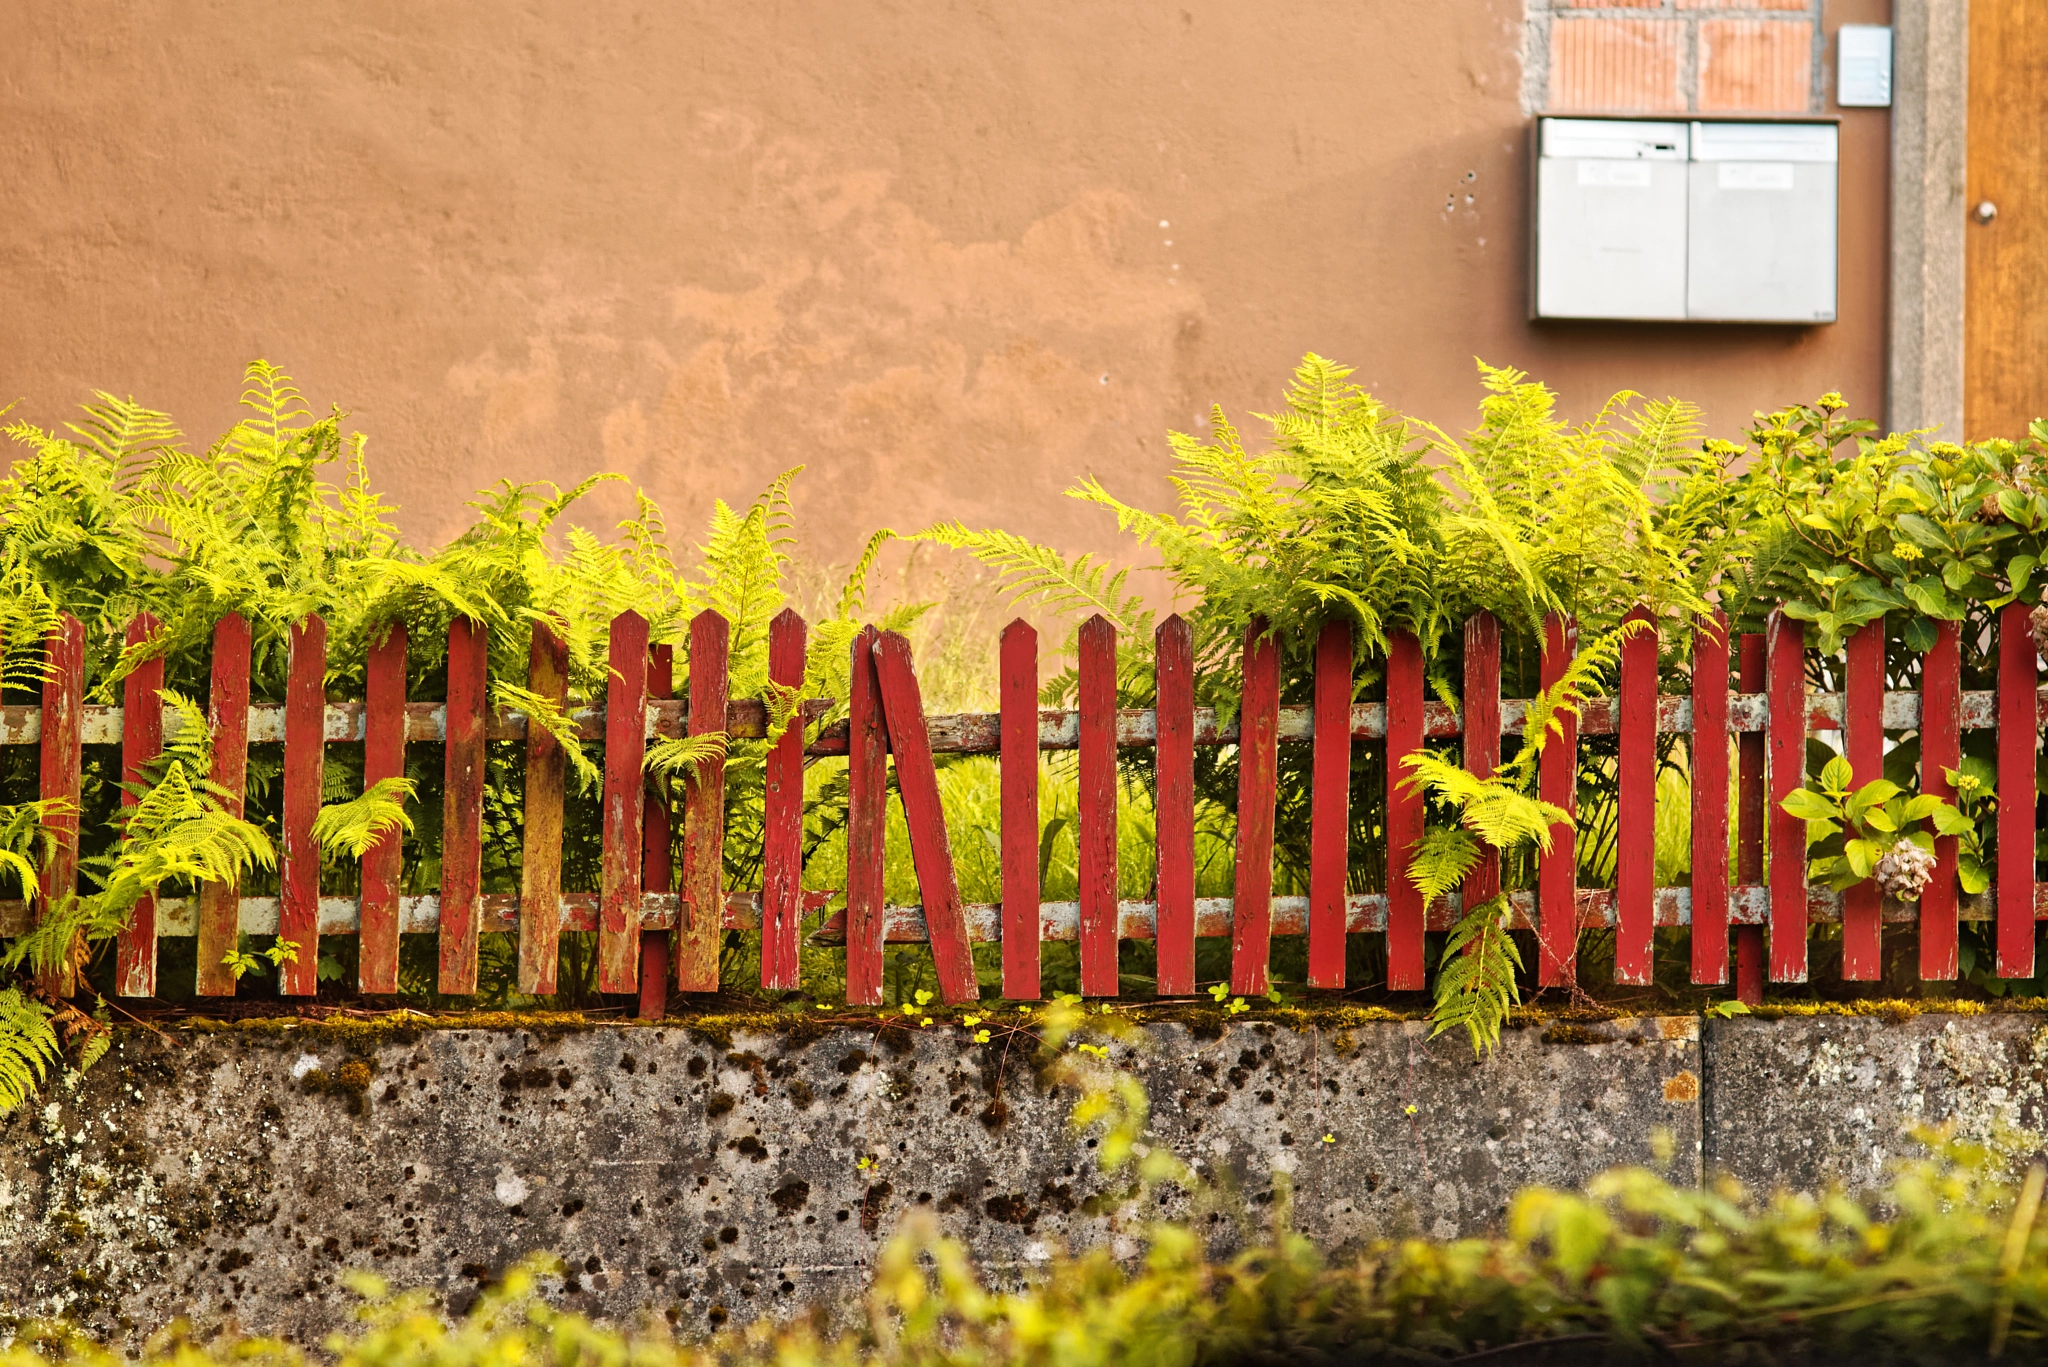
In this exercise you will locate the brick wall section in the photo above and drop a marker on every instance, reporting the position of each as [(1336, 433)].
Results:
[(1674, 56)]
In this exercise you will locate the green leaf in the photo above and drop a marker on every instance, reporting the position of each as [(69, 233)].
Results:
[(1808, 805), (1861, 856)]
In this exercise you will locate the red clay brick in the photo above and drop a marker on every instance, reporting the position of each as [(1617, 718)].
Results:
[(1603, 65), (1613, 4), (1797, 6), (1755, 65)]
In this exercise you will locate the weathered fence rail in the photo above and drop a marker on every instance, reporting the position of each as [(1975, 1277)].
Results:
[(1753, 692)]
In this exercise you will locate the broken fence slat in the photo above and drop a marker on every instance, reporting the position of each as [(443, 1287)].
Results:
[(925, 817), (866, 826)]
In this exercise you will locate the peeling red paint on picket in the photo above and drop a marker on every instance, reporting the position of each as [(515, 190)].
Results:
[(867, 761), (1481, 739), (227, 717), (1095, 824), (1941, 750), (1330, 807), (625, 806), (142, 740), (2019, 740), (62, 757), (1258, 773), (1635, 850), (383, 862), (1785, 664), (540, 861), (1018, 776), (462, 851), (1752, 795), (305, 759), (1407, 967), (697, 944), (1707, 758), (1174, 805), (782, 818), (1557, 782), (931, 854), (1863, 747), (657, 867)]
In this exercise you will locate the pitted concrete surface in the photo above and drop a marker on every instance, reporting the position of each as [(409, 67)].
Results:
[(1805, 1102), (233, 1177)]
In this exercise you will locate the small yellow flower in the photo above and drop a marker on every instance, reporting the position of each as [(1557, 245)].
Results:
[(981, 1037), (970, 1021), (1410, 1109), (1329, 1139), (926, 1021)]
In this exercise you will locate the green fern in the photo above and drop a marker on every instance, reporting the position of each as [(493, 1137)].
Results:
[(28, 1047), (1476, 984), (352, 827)]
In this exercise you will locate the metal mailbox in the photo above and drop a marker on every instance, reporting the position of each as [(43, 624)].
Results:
[(1710, 221)]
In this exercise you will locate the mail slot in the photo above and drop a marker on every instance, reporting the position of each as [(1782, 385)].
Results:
[(1711, 221)]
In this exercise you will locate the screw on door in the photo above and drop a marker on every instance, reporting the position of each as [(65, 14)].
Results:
[(1985, 211)]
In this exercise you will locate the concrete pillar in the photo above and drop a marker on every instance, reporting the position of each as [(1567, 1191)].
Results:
[(1930, 142)]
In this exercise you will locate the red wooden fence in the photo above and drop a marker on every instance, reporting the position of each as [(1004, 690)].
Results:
[(656, 930)]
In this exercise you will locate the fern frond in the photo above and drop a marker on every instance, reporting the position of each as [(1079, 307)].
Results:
[(542, 711), (684, 752), (1080, 585), (1441, 860), (353, 826), (28, 1047), (1476, 986)]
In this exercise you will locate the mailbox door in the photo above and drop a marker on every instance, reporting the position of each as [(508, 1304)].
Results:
[(1611, 225), (1761, 235)]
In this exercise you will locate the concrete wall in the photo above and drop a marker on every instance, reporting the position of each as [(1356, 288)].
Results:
[(953, 257), (232, 1175)]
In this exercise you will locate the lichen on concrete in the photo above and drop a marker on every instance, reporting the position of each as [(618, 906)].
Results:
[(232, 1175)]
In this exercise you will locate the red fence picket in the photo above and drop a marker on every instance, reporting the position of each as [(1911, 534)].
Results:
[(462, 850), (1863, 747), (867, 813), (1174, 806), (1406, 966), (1785, 664), (1557, 781), (2019, 740), (383, 862), (1095, 690), (1708, 760), (1482, 738), (227, 716), (1941, 750), (305, 759), (702, 923), (918, 782), (782, 818), (142, 740), (1258, 772), (62, 758), (625, 806), (1019, 798), (1330, 807), (540, 864), (1635, 847)]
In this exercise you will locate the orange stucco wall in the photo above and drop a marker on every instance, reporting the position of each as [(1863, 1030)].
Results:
[(950, 256)]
